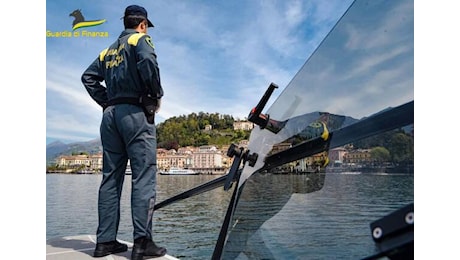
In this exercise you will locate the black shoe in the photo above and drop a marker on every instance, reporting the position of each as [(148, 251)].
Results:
[(146, 247), (107, 248)]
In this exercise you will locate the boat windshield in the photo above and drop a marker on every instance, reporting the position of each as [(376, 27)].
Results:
[(321, 206)]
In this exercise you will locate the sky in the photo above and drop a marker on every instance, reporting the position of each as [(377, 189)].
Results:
[(214, 56)]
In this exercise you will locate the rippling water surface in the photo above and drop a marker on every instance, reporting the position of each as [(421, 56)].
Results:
[(332, 222)]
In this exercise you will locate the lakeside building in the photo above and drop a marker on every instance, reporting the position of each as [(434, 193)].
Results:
[(209, 159), (206, 159), (93, 162), (182, 158), (360, 156), (243, 125), (336, 155)]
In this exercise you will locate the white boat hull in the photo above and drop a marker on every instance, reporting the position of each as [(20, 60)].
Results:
[(178, 171)]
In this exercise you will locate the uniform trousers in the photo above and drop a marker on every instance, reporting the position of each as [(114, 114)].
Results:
[(126, 134)]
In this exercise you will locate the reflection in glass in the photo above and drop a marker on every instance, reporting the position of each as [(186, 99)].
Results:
[(363, 66)]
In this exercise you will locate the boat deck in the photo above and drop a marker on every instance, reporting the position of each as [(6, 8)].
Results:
[(82, 247)]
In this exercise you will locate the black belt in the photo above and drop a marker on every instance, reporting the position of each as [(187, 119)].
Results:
[(125, 100)]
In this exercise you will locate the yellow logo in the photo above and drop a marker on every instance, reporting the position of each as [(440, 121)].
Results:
[(79, 22)]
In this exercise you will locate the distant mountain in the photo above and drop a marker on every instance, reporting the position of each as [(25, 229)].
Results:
[(58, 148)]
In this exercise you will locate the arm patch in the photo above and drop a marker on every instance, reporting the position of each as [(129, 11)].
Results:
[(149, 42)]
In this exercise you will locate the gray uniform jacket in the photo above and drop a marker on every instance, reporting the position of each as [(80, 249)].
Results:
[(128, 67)]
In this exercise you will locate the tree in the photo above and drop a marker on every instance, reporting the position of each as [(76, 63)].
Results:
[(402, 148), (80, 153), (188, 130), (380, 154)]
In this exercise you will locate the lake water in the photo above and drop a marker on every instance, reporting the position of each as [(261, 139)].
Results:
[(344, 207)]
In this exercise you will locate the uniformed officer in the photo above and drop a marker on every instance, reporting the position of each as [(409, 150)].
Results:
[(129, 101)]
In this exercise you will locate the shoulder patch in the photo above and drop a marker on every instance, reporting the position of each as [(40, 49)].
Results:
[(149, 42), (133, 39), (102, 54)]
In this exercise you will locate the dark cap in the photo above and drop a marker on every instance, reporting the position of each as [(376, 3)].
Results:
[(135, 10)]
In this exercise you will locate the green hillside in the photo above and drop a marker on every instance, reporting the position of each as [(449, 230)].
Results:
[(191, 130)]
